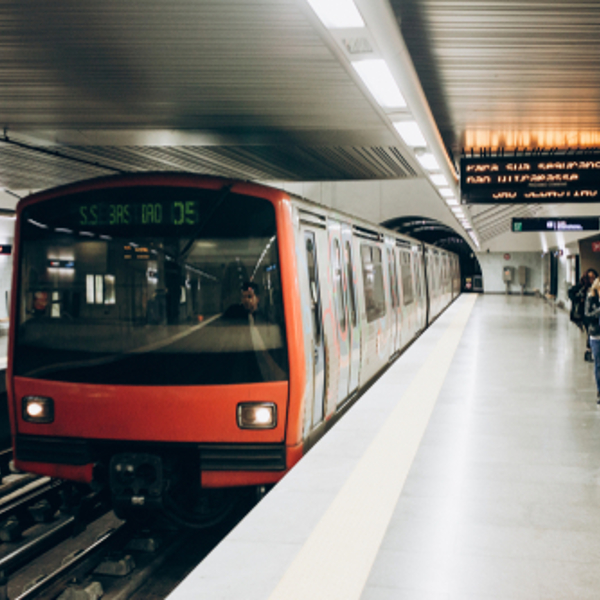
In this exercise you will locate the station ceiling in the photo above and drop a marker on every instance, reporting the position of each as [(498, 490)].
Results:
[(260, 89)]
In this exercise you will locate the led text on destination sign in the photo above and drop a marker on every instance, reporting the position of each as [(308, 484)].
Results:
[(539, 179), (179, 213)]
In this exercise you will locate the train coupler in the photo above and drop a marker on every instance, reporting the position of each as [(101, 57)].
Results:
[(137, 482)]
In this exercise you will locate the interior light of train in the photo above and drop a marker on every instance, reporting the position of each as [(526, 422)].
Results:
[(36, 224), (57, 263), (337, 14), (379, 80), (411, 133), (257, 415), (439, 179), (37, 409), (428, 161)]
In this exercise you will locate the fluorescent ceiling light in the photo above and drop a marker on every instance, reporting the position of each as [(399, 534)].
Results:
[(411, 134), (377, 76), (446, 192), (337, 14), (451, 201), (439, 179), (428, 161)]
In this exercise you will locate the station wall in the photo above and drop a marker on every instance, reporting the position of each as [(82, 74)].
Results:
[(538, 272), (492, 267)]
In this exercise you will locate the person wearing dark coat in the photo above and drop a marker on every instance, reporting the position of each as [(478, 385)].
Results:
[(578, 294), (592, 316)]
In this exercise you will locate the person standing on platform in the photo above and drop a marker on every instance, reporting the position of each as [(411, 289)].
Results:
[(577, 295), (592, 314), (587, 280)]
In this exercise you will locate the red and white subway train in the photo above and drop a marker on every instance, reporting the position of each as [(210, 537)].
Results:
[(174, 336)]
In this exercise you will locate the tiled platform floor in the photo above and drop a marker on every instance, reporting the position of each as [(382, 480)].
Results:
[(503, 498)]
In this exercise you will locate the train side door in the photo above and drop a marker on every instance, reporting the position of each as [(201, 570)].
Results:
[(318, 346), (400, 294), (352, 304), (340, 301), (394, 299)]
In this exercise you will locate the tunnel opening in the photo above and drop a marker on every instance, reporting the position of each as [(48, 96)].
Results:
[(438, 234)]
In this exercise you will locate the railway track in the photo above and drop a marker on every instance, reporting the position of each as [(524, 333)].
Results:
[(84, 552)]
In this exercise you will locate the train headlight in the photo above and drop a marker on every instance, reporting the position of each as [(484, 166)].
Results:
[(37, 409), (257, 415)]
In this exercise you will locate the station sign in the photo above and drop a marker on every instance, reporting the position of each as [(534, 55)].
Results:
[(559, 224), (530, 180)]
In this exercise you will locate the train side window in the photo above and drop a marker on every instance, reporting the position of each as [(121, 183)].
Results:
[(313, 283), (350, 280), (406, 278), (373, 281), (338, 284)]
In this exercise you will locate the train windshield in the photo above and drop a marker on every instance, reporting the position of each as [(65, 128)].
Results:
[(150, 286)]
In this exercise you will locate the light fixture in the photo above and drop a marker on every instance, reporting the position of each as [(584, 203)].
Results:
[(378, 78), (446, 192), (428, 161), (411, 134), (452, 201), (439, 179), (337, 14), (37, 409), (257, 415)]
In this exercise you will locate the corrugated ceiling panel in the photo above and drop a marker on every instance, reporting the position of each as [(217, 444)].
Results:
[(210, 64), (31, 168)]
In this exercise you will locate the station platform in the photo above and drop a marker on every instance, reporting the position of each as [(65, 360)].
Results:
[(470, 470)]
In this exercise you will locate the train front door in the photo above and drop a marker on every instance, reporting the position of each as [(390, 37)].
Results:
[(318, 346)]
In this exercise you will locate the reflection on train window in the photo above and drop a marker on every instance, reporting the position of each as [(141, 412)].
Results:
[(373, 281), (127, 305)]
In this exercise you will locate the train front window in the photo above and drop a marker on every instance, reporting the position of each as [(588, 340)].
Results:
[(151, 286)]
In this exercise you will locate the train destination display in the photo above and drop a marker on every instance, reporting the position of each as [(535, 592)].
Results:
[(530, 180), (144, 213), (575, 224)]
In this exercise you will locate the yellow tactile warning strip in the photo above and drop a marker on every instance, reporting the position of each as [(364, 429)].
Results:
[(337, 558)]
